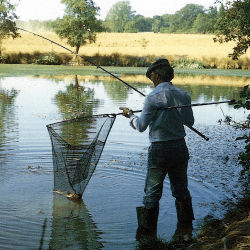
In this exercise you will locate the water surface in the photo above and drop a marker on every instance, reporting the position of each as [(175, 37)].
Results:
[(33, 216)]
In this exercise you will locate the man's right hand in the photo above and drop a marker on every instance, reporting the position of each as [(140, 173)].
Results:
[(126, 112)]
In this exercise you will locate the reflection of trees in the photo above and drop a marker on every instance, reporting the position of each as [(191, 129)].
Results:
[(72, 226), (115, 90), (118, 91), (7, 99), (210, 93), (76, 100)]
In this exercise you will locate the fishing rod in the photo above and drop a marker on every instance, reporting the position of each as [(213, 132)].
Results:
[(85, 59), (99, 67), (191, 105)]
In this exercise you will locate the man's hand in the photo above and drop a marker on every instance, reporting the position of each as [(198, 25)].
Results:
[(126, 112)]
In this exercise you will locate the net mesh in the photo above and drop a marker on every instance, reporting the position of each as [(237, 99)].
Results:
[(77, 145)]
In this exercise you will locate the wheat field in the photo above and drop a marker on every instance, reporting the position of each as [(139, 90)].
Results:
[(191, 46)]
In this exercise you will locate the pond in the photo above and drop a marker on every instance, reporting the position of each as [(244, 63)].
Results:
[(32, 216)]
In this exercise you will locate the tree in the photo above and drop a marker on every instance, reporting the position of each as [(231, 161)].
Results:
[(183, 20), (143, 24), (130, 27), (234, 25), (119, 15), (79, 24), (7, 21), (165, 24), (156, 24), (206, 22)]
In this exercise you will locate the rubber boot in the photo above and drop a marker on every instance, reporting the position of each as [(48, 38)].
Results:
[(147, 223), (185, 217)]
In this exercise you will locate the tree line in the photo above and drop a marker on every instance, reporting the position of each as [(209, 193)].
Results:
[(192, 18)]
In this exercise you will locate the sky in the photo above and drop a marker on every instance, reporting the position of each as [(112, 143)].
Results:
[(52, 9)]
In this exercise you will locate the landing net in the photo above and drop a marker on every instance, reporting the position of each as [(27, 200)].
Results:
[(77, 145)]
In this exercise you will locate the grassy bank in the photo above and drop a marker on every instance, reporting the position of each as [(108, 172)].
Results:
[(14, 70)]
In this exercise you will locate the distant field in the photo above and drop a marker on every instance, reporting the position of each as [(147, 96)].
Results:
[(139, 44)]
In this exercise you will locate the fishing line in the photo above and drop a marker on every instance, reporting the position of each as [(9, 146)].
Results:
[(90, 62)]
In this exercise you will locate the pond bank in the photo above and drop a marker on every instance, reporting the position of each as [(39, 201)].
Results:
[(231, 232), (15, 70)]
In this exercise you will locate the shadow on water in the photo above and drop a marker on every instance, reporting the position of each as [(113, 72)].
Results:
[(105, 218)]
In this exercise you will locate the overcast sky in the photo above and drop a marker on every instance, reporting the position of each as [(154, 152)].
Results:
[(51, 9)]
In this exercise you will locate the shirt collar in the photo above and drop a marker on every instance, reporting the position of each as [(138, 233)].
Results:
[(168, 84)]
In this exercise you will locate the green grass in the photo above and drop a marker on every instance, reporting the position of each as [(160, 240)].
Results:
[(15, 70)]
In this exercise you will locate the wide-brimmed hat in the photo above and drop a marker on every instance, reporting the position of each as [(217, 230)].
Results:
[(158, 63)]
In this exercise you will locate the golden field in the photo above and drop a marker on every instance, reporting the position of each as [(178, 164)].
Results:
[(191, 46)]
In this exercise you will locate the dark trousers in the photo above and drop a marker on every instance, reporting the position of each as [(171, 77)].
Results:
[(166, 158)]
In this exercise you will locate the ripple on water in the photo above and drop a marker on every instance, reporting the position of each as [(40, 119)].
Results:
[(109, 217)]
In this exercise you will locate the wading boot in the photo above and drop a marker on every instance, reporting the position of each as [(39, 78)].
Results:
[(185, 216), (147, 223)]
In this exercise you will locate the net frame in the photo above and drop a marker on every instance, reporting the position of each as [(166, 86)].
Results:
[(75, 163)]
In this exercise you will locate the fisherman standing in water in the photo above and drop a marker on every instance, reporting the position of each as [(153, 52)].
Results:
[(167, 154)]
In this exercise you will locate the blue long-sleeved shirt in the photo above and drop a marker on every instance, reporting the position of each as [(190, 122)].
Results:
[(168, 124)]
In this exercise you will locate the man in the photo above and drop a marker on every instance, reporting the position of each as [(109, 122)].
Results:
[(168, 153)]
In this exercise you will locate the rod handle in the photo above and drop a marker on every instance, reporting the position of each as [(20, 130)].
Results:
[(199, 133)]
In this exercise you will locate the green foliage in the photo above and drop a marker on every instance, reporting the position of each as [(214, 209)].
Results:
[(119, 15), (143, 24), (188, 64), (185, 18), (35, 58), (3, 58), (37, 25), (79, 25), (234, 25), (130, 27), (7, 21), (156, 244), (49, 59), (192, 18), (244, 157), (205, 22)]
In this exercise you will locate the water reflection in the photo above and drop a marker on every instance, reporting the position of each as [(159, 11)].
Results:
[(118, 92), (210, 93), (8, 125), (72, 226), (76, 100), (7, 100), (116, 188)]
